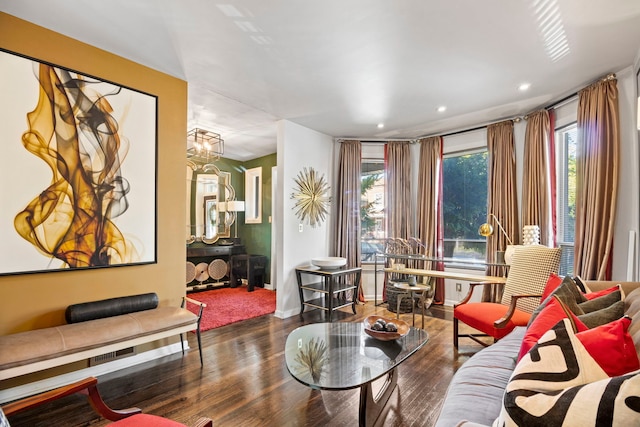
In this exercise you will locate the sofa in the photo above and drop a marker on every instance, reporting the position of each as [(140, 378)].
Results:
[(476, 393)]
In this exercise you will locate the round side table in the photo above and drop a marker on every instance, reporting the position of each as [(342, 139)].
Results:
[(410, 291)]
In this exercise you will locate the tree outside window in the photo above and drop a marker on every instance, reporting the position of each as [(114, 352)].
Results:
[(464, 204), (372, 215), (566, 186)]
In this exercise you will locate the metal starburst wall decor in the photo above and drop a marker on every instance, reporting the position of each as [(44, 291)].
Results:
[(311, 196)]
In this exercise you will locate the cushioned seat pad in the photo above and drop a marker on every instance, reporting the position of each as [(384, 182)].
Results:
[(481, 316), (42, 344), (475, 392)]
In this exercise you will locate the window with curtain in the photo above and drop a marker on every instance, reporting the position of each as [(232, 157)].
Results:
[(464, 203), (566, 194), (372, 208)]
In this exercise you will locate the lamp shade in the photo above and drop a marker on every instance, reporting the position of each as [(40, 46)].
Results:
[(235, 206)]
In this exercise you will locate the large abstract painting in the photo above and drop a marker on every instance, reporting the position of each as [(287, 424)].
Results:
[(77, 170)]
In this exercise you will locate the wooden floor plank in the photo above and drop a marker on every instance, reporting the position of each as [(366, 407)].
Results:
[(244, 381)]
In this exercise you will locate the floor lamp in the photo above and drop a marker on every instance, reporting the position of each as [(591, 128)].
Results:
[(486, 230), (235, 206)]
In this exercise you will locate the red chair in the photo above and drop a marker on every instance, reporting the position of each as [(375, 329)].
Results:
[(122, 418), (528, 275)]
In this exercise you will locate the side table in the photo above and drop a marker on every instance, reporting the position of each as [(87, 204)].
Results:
[(334, 286), (424, 291)]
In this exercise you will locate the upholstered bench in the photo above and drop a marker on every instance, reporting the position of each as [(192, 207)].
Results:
[(94, 334)]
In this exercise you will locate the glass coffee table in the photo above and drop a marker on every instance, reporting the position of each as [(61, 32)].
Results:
[(341, 356)]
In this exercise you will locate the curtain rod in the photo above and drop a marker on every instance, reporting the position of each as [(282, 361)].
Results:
[(478, 127), (556, 104), (572, 96), (375, 141)]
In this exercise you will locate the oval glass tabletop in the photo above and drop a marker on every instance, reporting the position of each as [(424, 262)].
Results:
[(340, 356)]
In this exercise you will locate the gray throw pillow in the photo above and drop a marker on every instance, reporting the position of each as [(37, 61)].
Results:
[(601, 302), (603, 316), (575, 289), (567, 292)]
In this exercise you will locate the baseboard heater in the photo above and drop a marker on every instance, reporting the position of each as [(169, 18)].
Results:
[(113, 355)]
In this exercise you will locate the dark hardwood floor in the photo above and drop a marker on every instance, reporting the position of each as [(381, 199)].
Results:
[(244, 381)]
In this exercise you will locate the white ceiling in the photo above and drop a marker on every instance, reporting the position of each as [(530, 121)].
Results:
[(341, 67)]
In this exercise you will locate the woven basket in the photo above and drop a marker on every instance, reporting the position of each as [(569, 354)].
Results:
[(392, 299)]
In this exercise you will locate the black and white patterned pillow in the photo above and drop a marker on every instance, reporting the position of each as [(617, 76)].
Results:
[(559, 384)]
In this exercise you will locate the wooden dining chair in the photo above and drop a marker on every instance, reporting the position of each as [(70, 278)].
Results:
[(530, 269)]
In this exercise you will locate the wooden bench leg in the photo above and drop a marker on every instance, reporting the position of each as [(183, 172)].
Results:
[(199, 344), (202, 306)]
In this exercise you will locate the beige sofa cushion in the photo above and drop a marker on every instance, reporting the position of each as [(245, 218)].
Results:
[(42, 344)]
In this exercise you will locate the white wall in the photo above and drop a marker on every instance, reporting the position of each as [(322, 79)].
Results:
[(298, 147), (627, 210)]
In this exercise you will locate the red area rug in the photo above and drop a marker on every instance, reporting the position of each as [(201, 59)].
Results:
[(231, 305)]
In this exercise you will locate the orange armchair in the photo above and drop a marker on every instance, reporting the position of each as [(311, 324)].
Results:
[(521, 294), (88, 386)]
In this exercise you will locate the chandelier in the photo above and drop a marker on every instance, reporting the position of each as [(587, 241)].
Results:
[(204, 146)]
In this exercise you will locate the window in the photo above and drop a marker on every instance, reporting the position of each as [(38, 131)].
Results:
[(566, 191), (372, 209), (464, 204)]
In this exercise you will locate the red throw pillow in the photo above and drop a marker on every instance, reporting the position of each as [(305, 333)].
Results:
[(554, 312), (552, 283), (612, 347), (593, 295)]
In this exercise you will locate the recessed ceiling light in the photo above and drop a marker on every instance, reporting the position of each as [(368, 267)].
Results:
[(524, 86), (380, 125), (442, 109)]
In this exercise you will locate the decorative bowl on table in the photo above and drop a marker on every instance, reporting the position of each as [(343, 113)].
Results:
[(329, 262), (380, 328)]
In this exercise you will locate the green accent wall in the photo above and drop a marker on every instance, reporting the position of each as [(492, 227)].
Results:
[(255, 237)]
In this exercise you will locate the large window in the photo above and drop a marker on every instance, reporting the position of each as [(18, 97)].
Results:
[(372, 209), (464, 204), (566, 206)]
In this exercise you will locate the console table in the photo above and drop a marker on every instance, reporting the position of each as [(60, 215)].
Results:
[(413, 258), (199, 253), (334, 286), (470, 277)]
